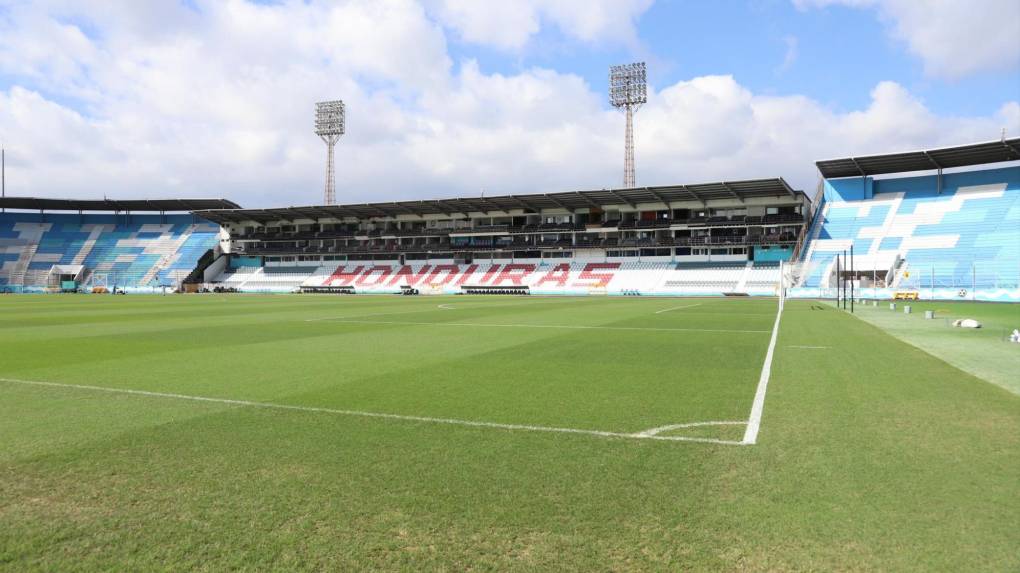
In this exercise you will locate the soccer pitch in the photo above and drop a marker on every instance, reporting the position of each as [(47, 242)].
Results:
[(493, 433)]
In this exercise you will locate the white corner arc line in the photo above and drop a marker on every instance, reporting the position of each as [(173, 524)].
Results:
[(661, 429), (758, 406), (380, 415), (677, 308)]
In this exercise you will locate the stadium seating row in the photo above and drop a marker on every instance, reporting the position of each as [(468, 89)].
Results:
[(917, 232), (139, 252), (567, 277)]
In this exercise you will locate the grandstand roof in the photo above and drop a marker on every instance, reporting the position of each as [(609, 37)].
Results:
[(927, 160), (569, 200), (42, 204)]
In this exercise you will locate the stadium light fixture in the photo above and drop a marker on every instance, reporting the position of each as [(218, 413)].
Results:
[(628, 90), (329, 126)]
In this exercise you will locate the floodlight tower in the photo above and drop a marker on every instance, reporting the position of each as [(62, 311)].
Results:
[(628, 89), (329, 125)]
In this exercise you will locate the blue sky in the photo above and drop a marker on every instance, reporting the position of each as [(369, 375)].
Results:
[(451, 97), (839, 52)]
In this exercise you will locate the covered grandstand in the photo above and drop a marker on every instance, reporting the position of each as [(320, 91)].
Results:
[(51, 245), (713, 239), (942, 235)]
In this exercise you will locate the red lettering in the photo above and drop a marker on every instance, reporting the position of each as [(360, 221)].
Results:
[(411, 278), (559, 275), (450, 270), (514, 273), (384, 271), (343, 277), (467, 274), (602, 279), (490, 273)]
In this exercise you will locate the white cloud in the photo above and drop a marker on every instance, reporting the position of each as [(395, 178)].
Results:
[(954, 38), (790, 56), (220, 102), (510, 25)]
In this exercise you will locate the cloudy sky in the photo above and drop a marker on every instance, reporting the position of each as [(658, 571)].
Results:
[(215, 98)]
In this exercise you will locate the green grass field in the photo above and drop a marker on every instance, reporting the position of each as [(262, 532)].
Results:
[(241, 432)]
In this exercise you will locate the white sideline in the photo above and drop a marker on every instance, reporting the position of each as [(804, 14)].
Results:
[(676, 308), (567, 326), (645, 435), (754, 421)]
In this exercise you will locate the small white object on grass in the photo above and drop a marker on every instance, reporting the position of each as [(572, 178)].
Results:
[(1015, 337), (966, 323)]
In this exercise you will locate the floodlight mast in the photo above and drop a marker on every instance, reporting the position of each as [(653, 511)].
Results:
[(329, 125), (628, 89)]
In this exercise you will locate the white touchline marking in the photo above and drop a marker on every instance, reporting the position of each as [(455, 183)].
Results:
[(754, 421), (567, 326), (677, 308), (446, 307), (809, 347), (428, 419)]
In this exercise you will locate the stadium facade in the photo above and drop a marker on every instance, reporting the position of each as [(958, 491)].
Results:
[(943, 235)]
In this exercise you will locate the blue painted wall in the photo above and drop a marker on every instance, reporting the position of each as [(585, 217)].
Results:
[(772, 253)]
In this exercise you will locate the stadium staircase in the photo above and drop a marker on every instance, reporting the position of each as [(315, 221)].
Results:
[(20, 270)]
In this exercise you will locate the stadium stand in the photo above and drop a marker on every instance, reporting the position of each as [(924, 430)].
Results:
[(954, 235), (558, 243), (568, 277), (949, 236), (136, 252)]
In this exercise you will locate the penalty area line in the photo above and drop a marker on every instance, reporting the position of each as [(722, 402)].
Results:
[(677, 308), (646, 435)]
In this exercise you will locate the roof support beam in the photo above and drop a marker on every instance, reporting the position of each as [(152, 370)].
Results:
[(492, 206), (526, 204), (558, 202), (696, 196), (587, 200), (938, 177), (732, 192), (475, 206), (858, 166), (658, 197), (448, 209), (621, 198), (788, 188), (402, 208)]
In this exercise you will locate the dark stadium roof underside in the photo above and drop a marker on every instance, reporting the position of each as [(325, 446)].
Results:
[(739, 190), (160, 205), (931, 159)]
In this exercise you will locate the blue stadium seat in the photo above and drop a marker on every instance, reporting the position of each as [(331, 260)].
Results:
[(966, 234)]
